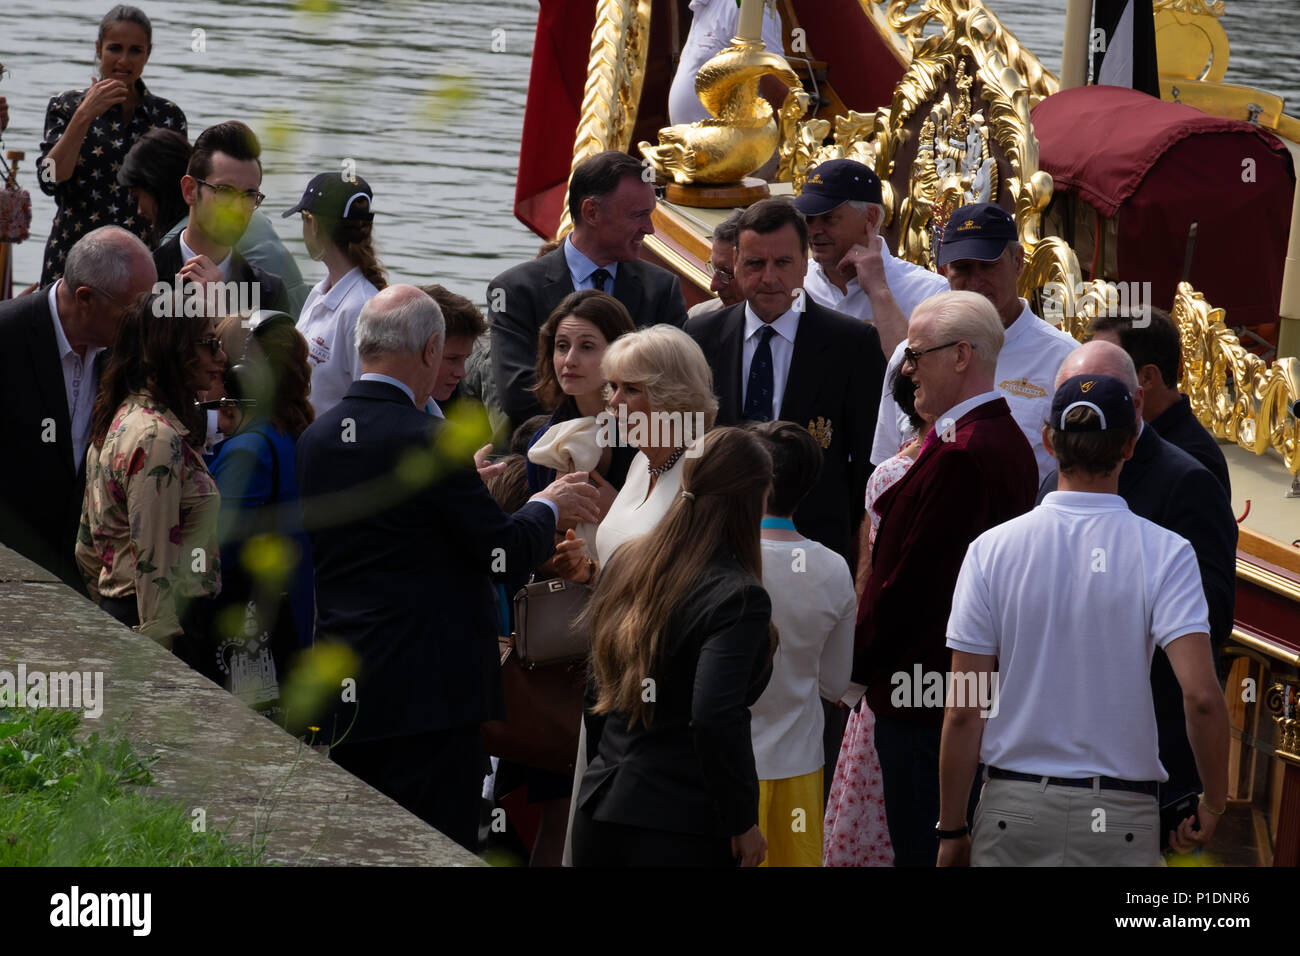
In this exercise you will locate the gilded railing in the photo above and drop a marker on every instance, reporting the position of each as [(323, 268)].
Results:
[(616, 69)]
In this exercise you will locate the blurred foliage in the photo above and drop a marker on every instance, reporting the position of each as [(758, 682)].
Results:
[(314, 683)]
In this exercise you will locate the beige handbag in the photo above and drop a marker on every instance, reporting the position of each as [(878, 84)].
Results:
[(544, 623)]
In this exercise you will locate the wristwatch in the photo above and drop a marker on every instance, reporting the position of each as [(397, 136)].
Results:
[(943, 834)]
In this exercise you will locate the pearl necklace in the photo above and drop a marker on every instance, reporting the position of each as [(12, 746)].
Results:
[(672, 460)]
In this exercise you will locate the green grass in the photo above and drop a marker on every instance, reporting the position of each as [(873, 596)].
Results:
[(69, 800)]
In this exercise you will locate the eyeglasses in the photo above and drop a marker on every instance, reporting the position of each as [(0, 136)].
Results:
[(727, 275), (911, 355), (231, 194), (213, 344)]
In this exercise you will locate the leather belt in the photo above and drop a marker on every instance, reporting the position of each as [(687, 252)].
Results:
[(1148, 787)]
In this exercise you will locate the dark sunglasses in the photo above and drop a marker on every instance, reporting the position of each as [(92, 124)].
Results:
[(213, 344), (911, 355)]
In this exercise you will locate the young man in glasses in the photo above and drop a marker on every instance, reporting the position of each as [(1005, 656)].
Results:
[(221, 185)]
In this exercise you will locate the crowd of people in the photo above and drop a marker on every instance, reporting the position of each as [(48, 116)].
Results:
[(913, 577)]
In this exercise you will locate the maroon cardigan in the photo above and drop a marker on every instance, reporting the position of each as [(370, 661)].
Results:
[(956, 490)]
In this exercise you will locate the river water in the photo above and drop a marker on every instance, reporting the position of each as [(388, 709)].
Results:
[(426, 96)]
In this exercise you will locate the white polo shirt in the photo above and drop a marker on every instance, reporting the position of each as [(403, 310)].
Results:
[(78, 382), (1073, 598), (908, 283), (1032, 352), (782, 346), (814, 608), (329, 324)]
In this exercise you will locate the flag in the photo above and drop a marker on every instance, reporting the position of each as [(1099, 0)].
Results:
[(1124, 45)]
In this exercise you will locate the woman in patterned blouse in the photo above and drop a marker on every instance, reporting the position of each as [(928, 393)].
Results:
[(148, 539), (88, 133)]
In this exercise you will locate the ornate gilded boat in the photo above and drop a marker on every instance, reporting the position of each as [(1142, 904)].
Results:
[(942, 100)]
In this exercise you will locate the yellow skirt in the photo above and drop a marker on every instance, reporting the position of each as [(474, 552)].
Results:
[(790, 815)]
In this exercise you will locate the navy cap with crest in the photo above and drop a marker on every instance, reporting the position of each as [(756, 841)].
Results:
[(978, 231), (332, 196), (836, 182), (1104, 394)]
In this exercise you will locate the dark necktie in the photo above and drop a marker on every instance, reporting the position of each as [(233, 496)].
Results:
[(599, 278), (758, 391)]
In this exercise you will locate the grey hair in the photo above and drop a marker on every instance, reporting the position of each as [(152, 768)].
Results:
[(861, 206), (400, 329), (100, 260), (967, 317)]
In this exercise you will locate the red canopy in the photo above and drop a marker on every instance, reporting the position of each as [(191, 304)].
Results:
[(1158, 167)]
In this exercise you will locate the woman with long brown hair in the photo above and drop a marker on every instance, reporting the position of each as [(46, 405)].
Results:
[(337, 222), (682, 645), (265, 412), (147, 545)]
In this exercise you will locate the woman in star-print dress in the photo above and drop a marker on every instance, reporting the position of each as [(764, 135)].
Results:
[(88, 132)]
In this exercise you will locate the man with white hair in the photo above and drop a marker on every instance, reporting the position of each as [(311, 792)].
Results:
[(50, 348), (1167, 486), (851, 269), (405, 539), (975, 470)]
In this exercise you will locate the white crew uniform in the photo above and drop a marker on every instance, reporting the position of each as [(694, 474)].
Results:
[(1072, 598), (908, 283), (1032, 353), (328, 322)]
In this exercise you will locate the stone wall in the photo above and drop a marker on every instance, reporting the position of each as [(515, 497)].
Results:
[(253, 780)]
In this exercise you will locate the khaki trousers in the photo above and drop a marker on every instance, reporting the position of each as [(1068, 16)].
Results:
[(1023, 823)]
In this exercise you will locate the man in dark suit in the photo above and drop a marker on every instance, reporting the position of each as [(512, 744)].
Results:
[(975, 470), (221, 186), (610, 204), (1167, 486), (405, 539), (51, 355), (780, 355), (1156, 351)]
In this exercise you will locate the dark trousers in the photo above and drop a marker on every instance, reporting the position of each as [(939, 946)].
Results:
[(615, 844), (909, 770), (437, 775), (193, 646)]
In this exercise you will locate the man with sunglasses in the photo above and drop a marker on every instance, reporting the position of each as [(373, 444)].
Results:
[(975, 470), (221, 185), (50, 348)]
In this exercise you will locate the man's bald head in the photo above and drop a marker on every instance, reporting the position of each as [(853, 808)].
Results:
[(1099, 358)]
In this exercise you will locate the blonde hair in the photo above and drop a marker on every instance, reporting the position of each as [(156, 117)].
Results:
[(669, 365), (966, 317)]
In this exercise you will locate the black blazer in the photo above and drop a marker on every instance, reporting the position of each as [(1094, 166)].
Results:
[(168, 259), (40, 491), (1178, 426), (522, 298), (833, 388), (403, 574), (692, 769), (1166, 485)]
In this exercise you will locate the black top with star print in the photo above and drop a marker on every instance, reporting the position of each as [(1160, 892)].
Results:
[(92, 197)]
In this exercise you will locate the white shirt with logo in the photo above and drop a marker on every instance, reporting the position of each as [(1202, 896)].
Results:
[(1073, 598), (909, 284), (329, 324), (1032, 352)]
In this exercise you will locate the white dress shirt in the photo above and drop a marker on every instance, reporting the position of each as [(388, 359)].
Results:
[(782, 346), (949, 419), (187, 254), (329, 324), (388, 380), (78, 382), (581, 268), (1032, 352), (908, 283)]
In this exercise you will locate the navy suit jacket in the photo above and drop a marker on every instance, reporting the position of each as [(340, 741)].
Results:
[(954, 492), (1166, 485), (404, 564), (836, 369), (522, 298), (40, 491)]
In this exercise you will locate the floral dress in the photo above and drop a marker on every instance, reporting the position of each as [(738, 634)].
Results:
[(856, 833), (149, 518), (92, 197)]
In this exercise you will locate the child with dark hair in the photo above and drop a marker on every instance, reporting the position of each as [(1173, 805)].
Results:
[(814, 608)]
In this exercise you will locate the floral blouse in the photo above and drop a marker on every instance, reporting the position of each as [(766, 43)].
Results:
[(149, 518), (92, 197)]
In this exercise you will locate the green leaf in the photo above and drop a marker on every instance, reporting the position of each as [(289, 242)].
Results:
[(159, 471)]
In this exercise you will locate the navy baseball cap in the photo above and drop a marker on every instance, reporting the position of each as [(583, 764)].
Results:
[(330, 195), (979, 231), (1104, 394), (836, 182)]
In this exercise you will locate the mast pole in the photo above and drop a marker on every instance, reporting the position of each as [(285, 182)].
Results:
[(1074, 53), (750, 27), (1288, 332)]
